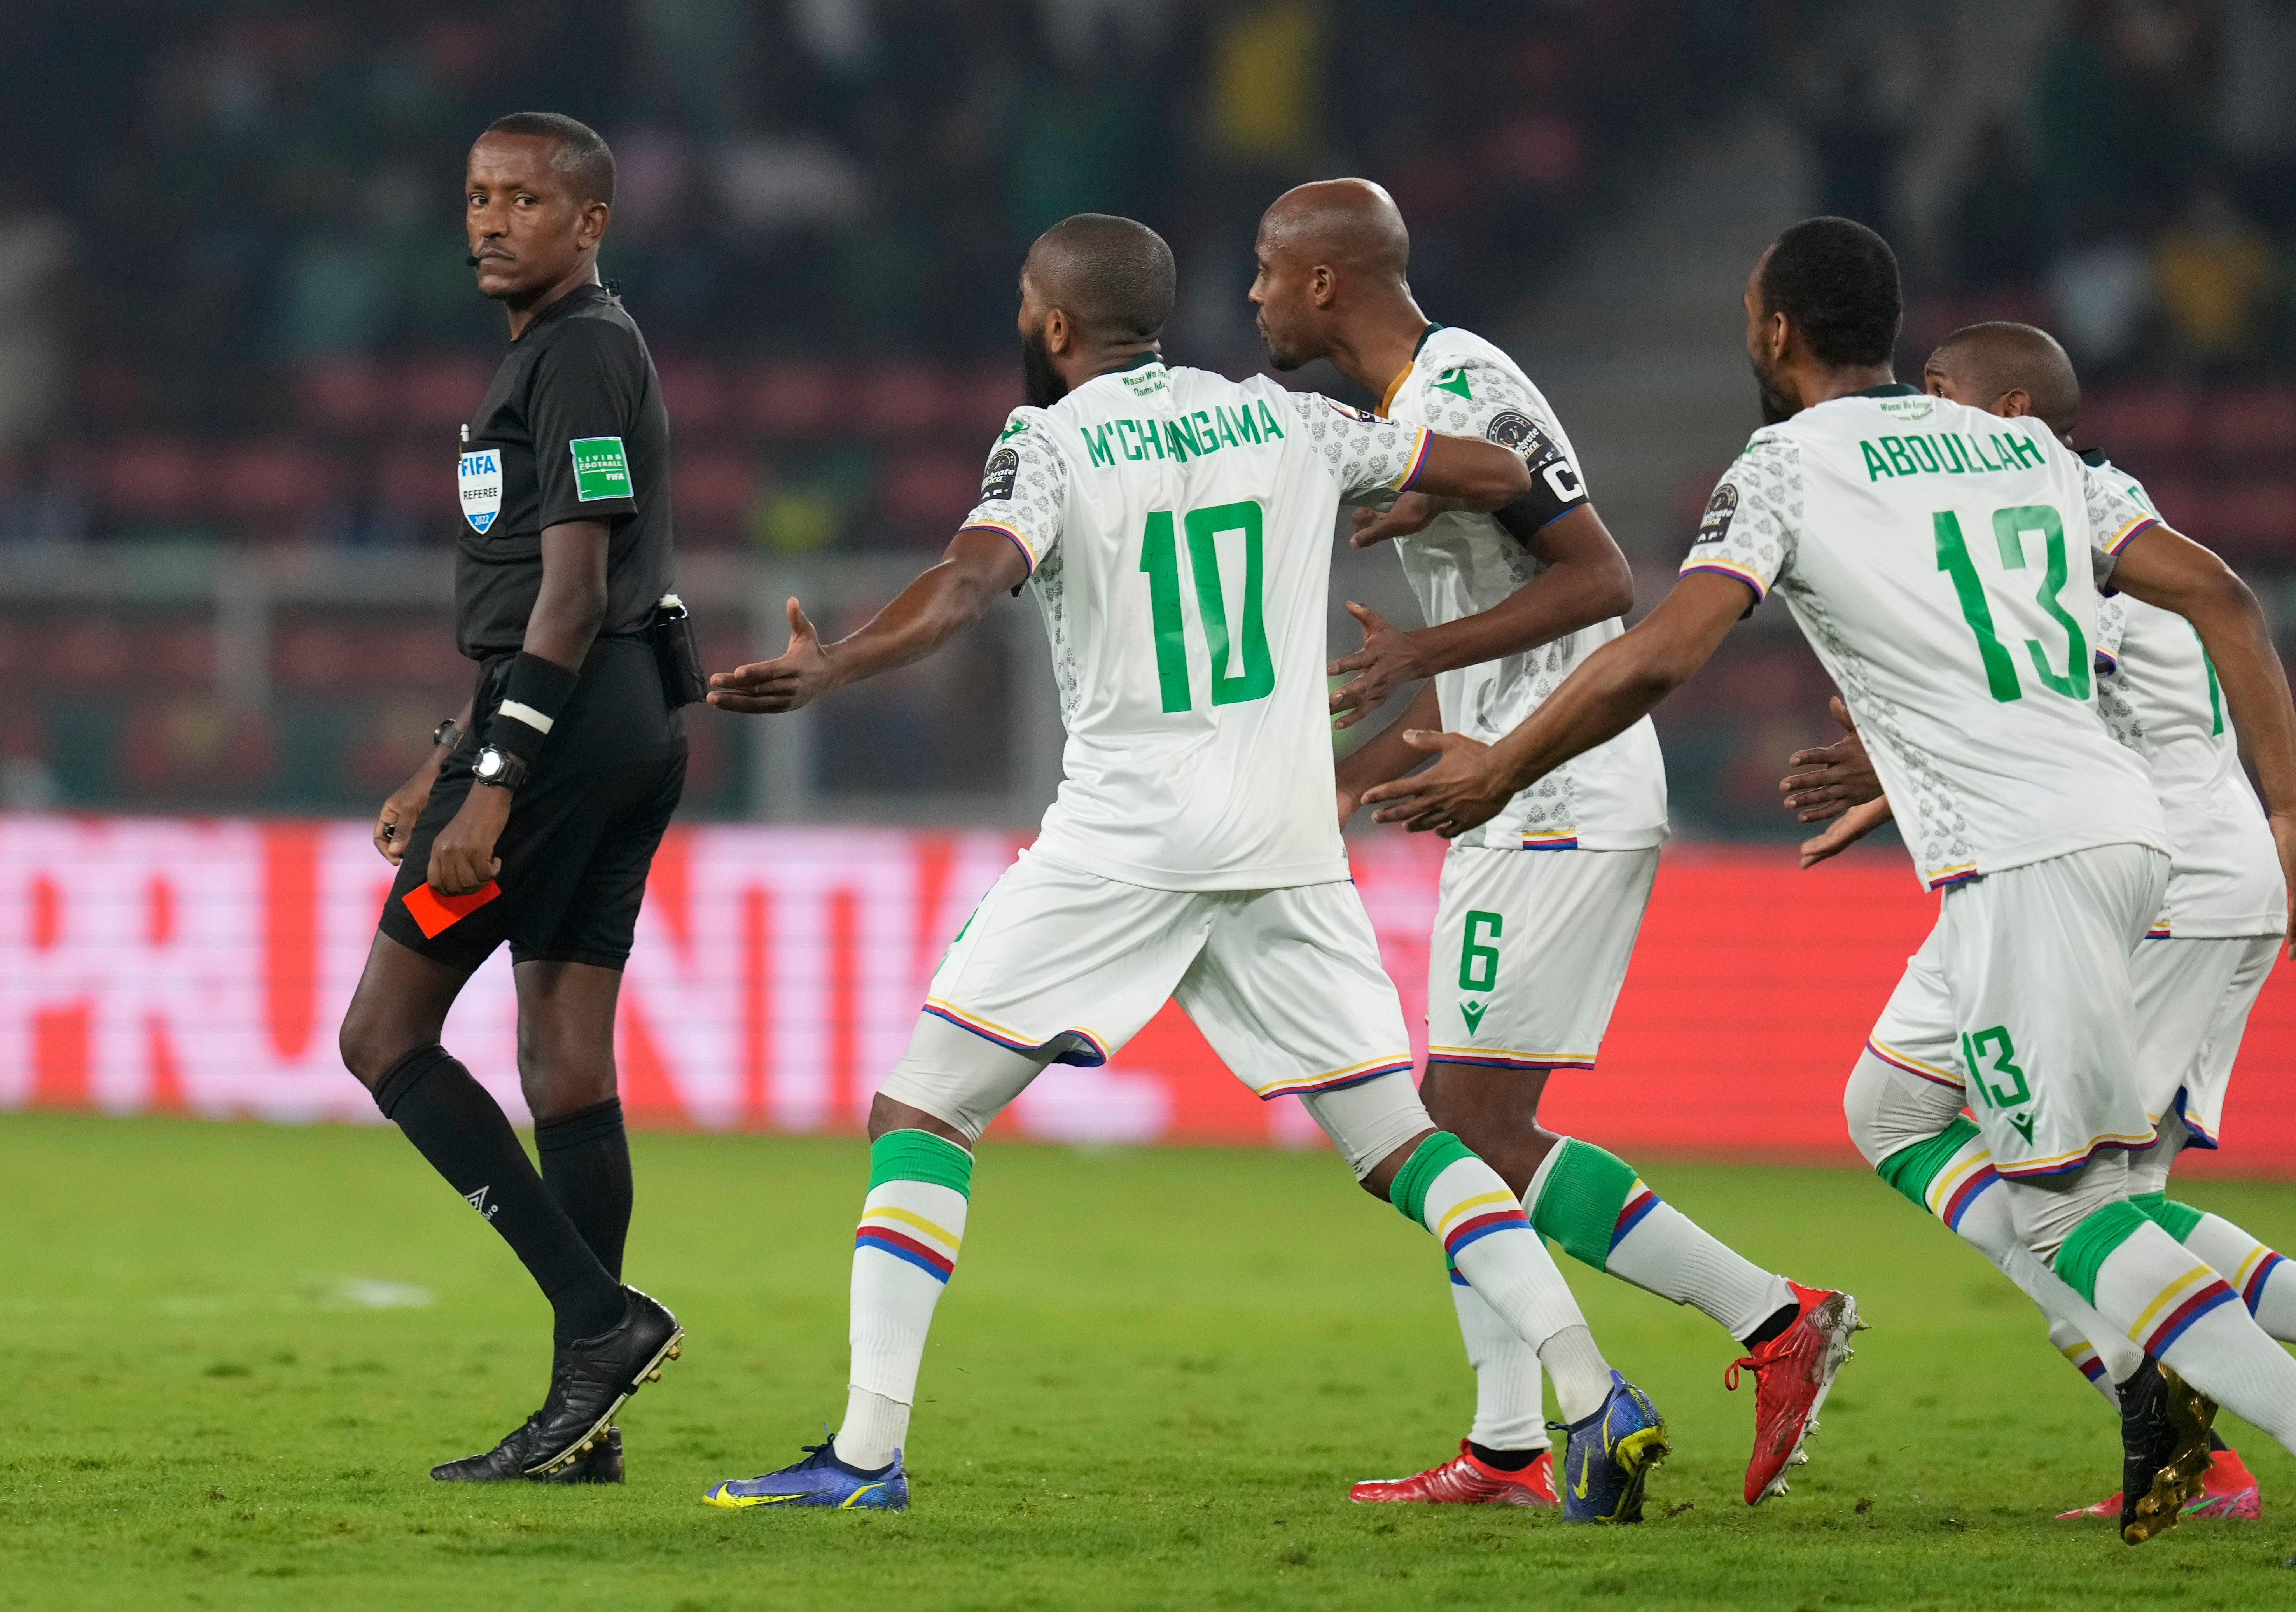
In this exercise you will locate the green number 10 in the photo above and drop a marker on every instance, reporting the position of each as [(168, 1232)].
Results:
[(2009, 528), (1241, 667)]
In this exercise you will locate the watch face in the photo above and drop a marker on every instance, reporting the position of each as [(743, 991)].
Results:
[(490, 762)]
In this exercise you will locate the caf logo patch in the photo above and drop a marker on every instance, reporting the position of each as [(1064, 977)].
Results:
[(1003, 470), (1509, 429), (477, 476), (1724, 504)]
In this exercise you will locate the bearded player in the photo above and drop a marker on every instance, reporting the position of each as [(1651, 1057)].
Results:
[(1539, 907), (2197, 975), (1175, 527), (1917, 540)]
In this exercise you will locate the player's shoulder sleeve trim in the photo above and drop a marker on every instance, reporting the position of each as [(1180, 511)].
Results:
[(1029, 555), (1725, 567), (1026, 445), (1418, 459), (2127, 534)]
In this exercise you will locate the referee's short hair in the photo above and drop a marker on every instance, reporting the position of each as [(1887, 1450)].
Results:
[(583, 153), (1836, 281)]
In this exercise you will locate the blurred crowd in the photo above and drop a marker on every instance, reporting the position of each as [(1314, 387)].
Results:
[(2134, 192), (232, 287), (233, 305)]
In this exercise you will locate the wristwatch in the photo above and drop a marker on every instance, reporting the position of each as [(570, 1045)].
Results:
[(447, 733), (500, 768)]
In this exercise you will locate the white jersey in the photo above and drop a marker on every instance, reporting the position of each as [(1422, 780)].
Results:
[(1179, 530), (1944, 564), (1613, 797), (2158, 696)]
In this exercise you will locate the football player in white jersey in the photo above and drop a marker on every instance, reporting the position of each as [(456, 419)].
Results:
[(1944, 563), (1175, 528), (1539, 907), (2197, 975)]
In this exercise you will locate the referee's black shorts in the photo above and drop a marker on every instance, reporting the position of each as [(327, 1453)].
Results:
[(582, 833)]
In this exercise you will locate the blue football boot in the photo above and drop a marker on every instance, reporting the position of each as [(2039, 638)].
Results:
[(820, 1479), (1609, 1457)]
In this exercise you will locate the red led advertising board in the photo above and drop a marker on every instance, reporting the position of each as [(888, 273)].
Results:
[(201, 966)]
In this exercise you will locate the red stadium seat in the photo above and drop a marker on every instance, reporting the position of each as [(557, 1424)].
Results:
[(931, 489), (980, 398), (696, 395), (2256, 518), (712, 489), (277, 481), (790, 399), (2250, 424), (320, 657), (152, 477), (345, 395), (441, 393), (904, 399), (2135, 423), (419, 483)]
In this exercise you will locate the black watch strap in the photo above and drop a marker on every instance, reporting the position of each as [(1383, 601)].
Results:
[(501, 769)]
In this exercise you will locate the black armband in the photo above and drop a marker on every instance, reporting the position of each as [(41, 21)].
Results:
[(533, 695), (1555, 488)]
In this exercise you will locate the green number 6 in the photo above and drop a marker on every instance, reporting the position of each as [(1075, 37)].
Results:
[(1479, 964)]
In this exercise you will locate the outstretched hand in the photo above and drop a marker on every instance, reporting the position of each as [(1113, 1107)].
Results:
[(1410, 512), (1462, 790), (800, 675), (1836, 777), (1390, 657), (1845, 830)]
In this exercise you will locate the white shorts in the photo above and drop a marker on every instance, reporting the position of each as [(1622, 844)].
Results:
[(2192, 1002), (2030, 975), (2192, 998), (1286, 985), (1529, 952)]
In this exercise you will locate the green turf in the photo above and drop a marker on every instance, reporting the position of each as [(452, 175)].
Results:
[(1152, 1378)]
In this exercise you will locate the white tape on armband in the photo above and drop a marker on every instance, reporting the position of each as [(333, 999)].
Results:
[(526, 714)]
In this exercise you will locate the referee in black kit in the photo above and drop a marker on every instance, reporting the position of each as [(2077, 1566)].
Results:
[(539, 813)]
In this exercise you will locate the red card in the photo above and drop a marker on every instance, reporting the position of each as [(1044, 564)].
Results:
[(435, 914)]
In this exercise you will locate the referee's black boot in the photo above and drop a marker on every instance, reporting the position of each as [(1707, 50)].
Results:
[(589, 1379), (506, 1462), (601, 1465)]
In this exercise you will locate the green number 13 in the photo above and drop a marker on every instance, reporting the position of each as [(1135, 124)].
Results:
[(2009, 528), (1241, 669)]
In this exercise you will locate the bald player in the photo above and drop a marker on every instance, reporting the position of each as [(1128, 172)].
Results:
[(2196, 975), (1539, 907), (1175, 528)]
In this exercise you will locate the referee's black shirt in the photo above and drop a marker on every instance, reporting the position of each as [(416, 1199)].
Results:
[(572, 429)]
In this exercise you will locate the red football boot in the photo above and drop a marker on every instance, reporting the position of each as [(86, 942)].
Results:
[(2227, 1490), (1791, 1375), (1464, 1481)]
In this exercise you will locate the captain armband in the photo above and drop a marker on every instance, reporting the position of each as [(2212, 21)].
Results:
[(533, 695)]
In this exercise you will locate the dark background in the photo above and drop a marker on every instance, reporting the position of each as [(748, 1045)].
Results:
[(237, 335)]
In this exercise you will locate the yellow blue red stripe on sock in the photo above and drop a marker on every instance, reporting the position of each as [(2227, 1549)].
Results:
[(1473, 1219), (1640, 1201), (2178, 1306)]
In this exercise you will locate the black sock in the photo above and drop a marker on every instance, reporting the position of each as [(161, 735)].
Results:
[(1504, 1460), (586, 1164), (467, 1138), (1780, 1320), (2217, 1443)]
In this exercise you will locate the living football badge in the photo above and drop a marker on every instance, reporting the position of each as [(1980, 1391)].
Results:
[(479, 475)]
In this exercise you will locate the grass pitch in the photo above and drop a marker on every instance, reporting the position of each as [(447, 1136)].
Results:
[(1152, 1380)]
